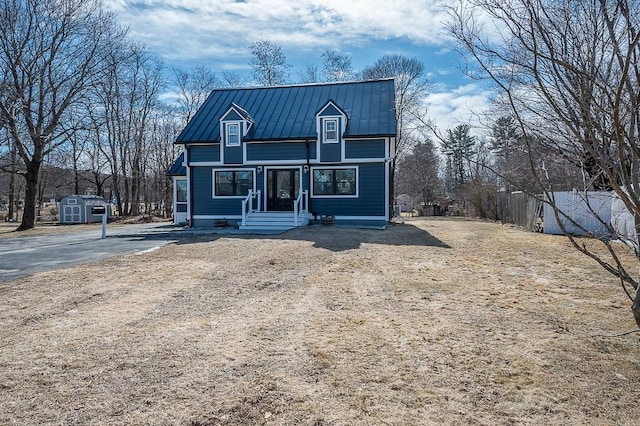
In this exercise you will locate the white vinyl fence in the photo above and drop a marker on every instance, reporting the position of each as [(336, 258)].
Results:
[(591, 212), (622, 221)]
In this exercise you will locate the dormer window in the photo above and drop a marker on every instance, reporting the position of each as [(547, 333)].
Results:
[(233, 134), (234, 125), (330, 131), (331, 124)]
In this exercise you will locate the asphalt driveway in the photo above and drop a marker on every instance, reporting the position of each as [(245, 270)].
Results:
[(24, 256)]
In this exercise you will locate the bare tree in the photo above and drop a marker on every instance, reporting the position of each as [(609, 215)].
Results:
[(310, 74), (270, 67), (233, 79), (419, 172), (126, 101), (50, 57), (193, 87), (569, 72), (336, 67)]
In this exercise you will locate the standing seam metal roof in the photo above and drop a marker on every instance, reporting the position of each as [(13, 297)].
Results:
[(288, 112)]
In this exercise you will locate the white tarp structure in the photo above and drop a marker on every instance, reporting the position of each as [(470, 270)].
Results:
[(590, 210), (622, 221)]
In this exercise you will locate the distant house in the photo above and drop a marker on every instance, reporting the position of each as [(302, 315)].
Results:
[(77, 209), (280, 157)]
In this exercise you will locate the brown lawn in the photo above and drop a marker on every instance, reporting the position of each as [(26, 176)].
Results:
[(437, 321)]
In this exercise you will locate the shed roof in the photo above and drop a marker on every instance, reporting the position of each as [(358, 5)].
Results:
[(178, 168), (289, 112)]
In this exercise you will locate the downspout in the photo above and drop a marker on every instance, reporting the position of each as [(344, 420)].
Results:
[(306, 143), (189, 188)]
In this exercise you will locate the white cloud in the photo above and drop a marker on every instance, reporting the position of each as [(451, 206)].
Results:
[(465, 104), (218, 33), (187, 29)]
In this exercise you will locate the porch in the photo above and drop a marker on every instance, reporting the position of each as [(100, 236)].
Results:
[(255, 218)]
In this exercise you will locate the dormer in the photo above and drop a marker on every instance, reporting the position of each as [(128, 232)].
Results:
[(234, 126), (331, 123)]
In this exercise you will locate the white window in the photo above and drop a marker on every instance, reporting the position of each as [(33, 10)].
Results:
[(181, 191), (233, 134), (335, 182), (232, 183), (330, 131)]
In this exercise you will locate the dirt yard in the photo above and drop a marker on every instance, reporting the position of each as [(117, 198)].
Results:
[(437, 321)]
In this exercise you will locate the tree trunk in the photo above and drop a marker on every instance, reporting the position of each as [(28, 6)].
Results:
[(12, 181), (30, 195), (635, 308)]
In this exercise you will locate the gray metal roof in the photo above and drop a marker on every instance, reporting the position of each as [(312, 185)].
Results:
[(289, 112)]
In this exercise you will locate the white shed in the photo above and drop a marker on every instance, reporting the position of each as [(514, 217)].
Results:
[(77, 209)]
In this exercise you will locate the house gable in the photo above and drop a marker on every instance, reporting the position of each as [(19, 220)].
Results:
[(235, 124), (331, 124)]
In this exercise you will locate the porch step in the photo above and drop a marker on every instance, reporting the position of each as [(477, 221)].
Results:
[(272, 221)]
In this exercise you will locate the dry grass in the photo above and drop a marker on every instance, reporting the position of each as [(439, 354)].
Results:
[(8, 229), (432, 322)]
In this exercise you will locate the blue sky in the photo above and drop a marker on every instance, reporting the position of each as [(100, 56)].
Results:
[(217, 34)]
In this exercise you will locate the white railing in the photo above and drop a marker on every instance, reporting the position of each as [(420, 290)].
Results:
[(300, 206), (247, 204)]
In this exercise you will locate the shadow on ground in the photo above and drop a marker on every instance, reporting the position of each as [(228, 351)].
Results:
[(329, 238)]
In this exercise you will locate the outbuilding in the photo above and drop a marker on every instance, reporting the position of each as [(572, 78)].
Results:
[(77, 209)]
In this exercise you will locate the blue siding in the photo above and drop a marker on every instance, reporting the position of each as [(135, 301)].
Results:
[(233, 154), (280, 151), (330, 152), (371, 196), (203, 201), (365, 149), (200, 153)]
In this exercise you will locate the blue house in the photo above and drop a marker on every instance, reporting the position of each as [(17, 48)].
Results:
[(280, 157)]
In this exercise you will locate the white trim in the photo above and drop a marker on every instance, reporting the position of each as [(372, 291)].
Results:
[(386, 191), (188, 169), (364, 160), (275, 162), (226, 125), (176, 214), (311, 161), (200, 143), (217, 216), (206, 163), (333, 167), (277, 141), (264, 179), (325, 122), (231, 169)]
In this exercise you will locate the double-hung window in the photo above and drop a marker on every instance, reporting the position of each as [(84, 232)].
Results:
[(335, 182), (232, 183), (330, 131), (233, 134)]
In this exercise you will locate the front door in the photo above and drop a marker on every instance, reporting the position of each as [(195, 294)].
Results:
[(282, 188)]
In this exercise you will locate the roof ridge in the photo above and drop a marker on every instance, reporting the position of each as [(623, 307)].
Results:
[(284, 86)]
